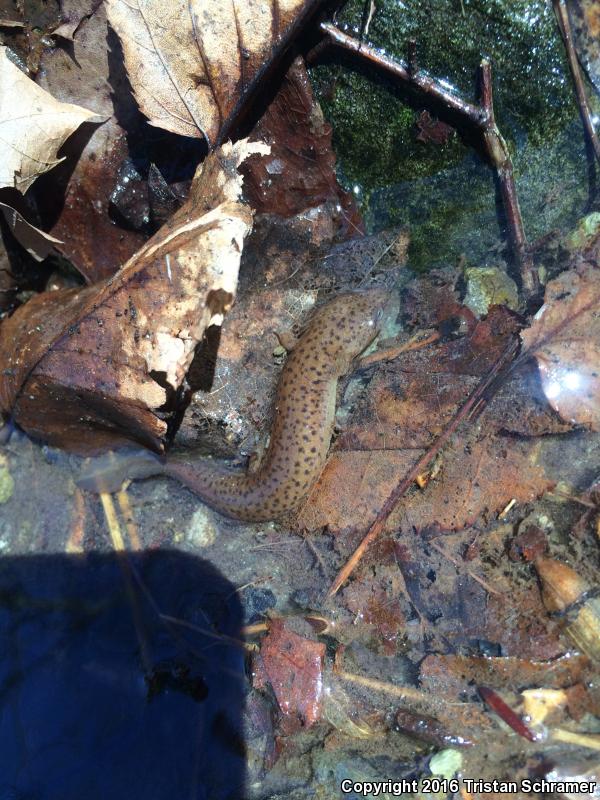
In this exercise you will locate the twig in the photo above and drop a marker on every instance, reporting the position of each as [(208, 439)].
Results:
[(390, 353), (562, 15), (220, 637), (408, 693), (420, 466), (478, 119), (488, 587), (501, 161)]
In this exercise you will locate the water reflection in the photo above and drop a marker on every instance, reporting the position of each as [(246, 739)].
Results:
[(100, 697)]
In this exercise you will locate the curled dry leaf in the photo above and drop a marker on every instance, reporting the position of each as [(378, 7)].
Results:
[(191, 69), (93, 367), (38, 243), (565, 340), (33, 126)]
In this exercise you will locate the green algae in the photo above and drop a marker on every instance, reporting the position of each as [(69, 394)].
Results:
[(447, 194)]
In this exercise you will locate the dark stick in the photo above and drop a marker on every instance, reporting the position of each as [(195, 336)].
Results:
[(562, 15), (501, 161), (429, 87), (477, 118)]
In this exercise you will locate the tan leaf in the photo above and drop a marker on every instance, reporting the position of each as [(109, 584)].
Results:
[(38, 243), (191, 68), (93, 367), (33, 126), (565, 340)]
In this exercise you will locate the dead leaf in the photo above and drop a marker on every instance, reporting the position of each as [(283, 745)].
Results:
[(300, 172), (374, 601), (94, 244), (72, 13), (34, 126), (585, 21), (89, 368), (564, 337), (294, 668), (411, 399), (192, 68), (408, 403), (459, 671), (483, 476), (37, 243)]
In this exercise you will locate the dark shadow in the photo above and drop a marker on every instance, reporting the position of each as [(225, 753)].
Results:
[(101, 697), (176, 157)]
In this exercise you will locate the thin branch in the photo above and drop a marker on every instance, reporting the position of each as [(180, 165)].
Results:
[(401, 488), (562, 15), (478, 119)]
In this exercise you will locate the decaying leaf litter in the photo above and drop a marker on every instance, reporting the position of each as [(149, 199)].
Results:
[(437, 583)]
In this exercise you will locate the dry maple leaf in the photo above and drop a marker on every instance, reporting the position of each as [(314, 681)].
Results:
[(191, 68), (33, 126), (564, 337), (94, 367)]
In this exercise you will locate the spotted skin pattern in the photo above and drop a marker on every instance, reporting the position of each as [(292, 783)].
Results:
[(304, 416)]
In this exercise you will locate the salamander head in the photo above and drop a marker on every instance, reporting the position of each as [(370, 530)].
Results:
[(349, 323)]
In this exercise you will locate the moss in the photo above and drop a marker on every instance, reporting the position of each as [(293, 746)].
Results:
[(446, 194), (586, 231)]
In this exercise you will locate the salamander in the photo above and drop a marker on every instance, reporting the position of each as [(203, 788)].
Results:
[(302, 427)]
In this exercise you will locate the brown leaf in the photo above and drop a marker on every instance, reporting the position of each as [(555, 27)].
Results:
[(294, 667), (408, 403), (34, 126), (88, 368), (500, 673), (585, 21), (300, 173), (411, 399), (73, 13), (483, 476), (91, 240), (192, 68), (564, 337), (432, 130)]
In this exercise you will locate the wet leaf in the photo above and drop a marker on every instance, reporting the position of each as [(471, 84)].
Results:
[(300, 172), (89, 368), (192, 68), (34, 126), (73, 13), (37, 243), (481, 476), (407, 405), (293, 666), (564, 337), (513, 673), (585, 21)]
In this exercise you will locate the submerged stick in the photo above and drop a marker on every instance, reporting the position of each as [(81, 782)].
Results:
[(562, 15), (478, 119)]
